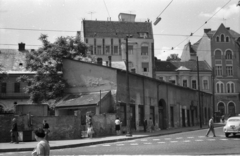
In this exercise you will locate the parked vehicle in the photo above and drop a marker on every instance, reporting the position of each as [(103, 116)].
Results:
[(232, 126)]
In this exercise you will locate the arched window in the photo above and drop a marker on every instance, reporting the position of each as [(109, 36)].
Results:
[(231, 109), (220, 87), (227, 39), (228, 55), (221, 108), (217, 38), (218, 54), (230, 87), (222, 38)]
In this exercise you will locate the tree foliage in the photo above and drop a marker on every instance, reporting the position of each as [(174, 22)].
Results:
[(48, 82), (173, 57)]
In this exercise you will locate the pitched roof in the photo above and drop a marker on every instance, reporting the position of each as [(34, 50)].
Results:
[(173, 66), (73, 100), (12, 60), (116, 29)]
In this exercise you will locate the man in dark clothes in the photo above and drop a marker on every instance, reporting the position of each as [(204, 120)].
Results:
[(14, 132), (46, 129)]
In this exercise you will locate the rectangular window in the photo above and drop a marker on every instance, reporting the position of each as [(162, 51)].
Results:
[(95, 47), (229, 70), (205, 84), (145, 66), (91, 49), (194, 84), (107, 49), (184, 83), (130, 49), (219, 70), (4, 87), (160, 78), (144, 50), (99, 50), (172, 81), (86, 40), (141, 114), (115, 49), (17, 87)]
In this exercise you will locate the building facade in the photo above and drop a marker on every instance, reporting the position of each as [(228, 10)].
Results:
[(108, 38), (220, 49)]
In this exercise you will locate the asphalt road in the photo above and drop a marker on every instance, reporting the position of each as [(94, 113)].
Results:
[(187, 143)]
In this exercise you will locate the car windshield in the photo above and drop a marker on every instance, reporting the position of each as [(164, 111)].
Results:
[(234, 120)]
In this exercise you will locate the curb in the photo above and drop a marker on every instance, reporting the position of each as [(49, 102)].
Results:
[(101, 142)]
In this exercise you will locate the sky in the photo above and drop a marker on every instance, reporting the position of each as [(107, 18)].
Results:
[(179, 20)]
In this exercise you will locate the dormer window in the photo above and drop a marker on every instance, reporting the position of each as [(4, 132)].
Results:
[(217, 38), (143, 34)]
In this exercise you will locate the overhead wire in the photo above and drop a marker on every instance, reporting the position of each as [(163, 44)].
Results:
[(202, 25)]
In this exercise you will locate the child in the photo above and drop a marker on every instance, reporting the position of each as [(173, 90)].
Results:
[(90, 131)]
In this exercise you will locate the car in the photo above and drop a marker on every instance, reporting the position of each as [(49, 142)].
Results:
[(232, 126)]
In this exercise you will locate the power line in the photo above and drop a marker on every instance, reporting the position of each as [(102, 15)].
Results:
[(202, 24), (38, 30), (165, 9)]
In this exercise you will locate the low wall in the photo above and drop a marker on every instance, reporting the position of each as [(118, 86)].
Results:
[(61, 127), (104, 124)]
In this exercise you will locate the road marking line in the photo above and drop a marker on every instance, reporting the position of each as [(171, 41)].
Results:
[(143, 140), (89, 146), (179, 138), (173, 141), (119, 144), (161, 142), (198, 140), (134, 144), (190, 137), (131, 141), (106, 145), (211, 139), (224, 139), (148, 143), (156, 139), (201, 136), (186, 141), (167, 138)]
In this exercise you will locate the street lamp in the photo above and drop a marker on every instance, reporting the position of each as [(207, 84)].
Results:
[(129, 133)]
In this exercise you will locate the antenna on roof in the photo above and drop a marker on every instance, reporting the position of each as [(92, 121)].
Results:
[(91, 12)]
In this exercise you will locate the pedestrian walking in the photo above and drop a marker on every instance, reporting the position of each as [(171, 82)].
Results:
[(223, 118), (211, 127), (43, 148), (150, 123), (145, 123), (46, 129), (14, 132), (118, 126)]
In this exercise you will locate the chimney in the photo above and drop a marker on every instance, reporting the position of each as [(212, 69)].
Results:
[(99, 61), (21, 46), (110, 61), (207, 30)]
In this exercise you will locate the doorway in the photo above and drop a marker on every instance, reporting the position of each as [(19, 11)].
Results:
[(162, 114), (183, 118)]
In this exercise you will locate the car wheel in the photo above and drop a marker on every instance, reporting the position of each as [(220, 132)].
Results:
[(227, 134)]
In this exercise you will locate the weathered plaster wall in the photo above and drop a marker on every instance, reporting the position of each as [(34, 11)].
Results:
[(88, 77)]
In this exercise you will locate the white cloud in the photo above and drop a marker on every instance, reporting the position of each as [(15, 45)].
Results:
[(166, 51), (223, 13)]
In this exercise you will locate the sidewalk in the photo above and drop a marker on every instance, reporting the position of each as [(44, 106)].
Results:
[(59, 144)]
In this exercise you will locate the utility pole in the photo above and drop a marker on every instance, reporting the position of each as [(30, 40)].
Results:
[(199, 103), (129, 133), (213, 90)]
